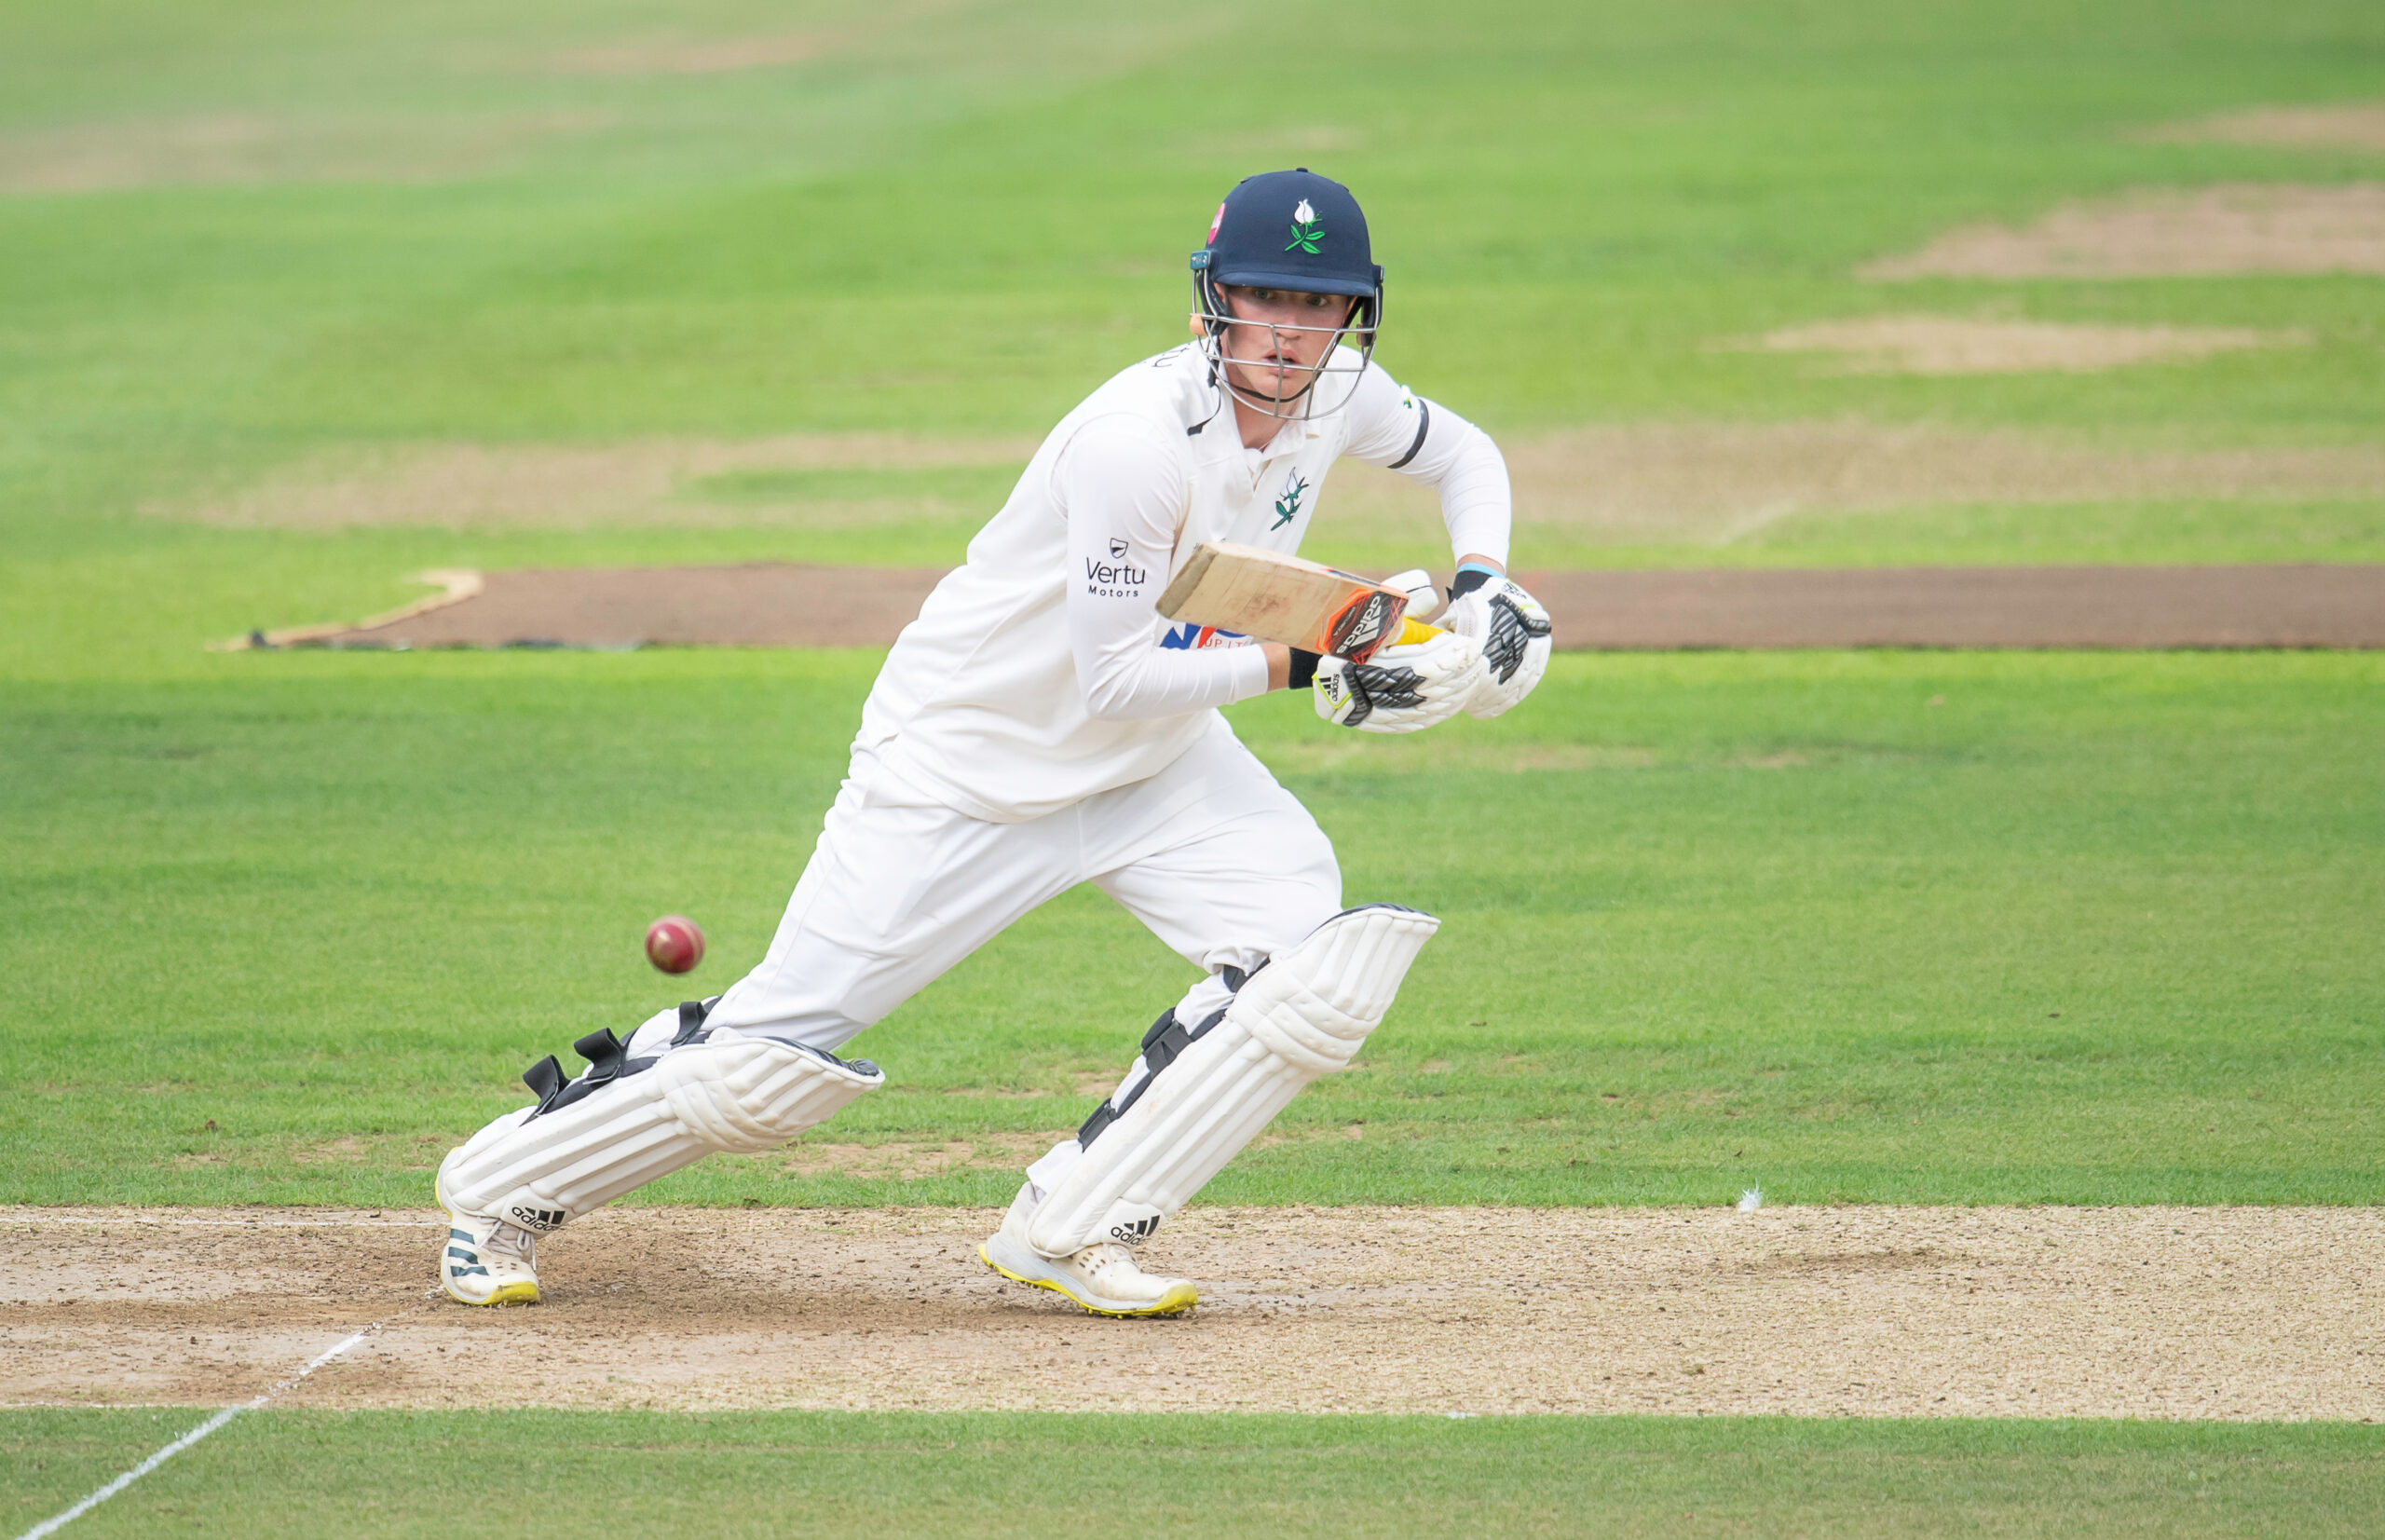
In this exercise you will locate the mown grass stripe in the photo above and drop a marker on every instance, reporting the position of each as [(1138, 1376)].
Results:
[(53, 1524)]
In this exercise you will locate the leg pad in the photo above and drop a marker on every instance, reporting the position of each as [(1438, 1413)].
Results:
[(1299, 1016), (729, 1092)]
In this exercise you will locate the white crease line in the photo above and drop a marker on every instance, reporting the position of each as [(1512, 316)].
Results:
[(428, 1217), (52, 1525)]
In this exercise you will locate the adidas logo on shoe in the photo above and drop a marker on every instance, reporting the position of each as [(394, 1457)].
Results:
[(1134, 1232), (492, 1270), (539, 1220), (462, 1261)]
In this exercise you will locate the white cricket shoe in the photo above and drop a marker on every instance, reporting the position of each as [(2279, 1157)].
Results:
[(486, 1260), (1102, 1278)]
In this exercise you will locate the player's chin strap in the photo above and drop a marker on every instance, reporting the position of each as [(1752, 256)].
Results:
[(1207, 1090), (1215, 317), (1228, 391), (629, 1121)]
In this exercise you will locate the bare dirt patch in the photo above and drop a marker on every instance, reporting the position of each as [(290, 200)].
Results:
[(2344, 126), (2206, 1313), (763, 604), (1715, 483), (643, 481), (1980, 607), (2158, 232), (712, 56), (662, 54), (1656, 483), (255, 147), (779, 605), (1615, 484), (454, 585), (1957, 344)]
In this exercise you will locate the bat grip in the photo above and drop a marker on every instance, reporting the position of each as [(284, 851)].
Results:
[(1413, 631)]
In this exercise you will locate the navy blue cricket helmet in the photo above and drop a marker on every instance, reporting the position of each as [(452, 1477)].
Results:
[(1292, 230)]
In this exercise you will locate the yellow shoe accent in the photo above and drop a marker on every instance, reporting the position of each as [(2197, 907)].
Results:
[(1175, 1302), (512, 1293)]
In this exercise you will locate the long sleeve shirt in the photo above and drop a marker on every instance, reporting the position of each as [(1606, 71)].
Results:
[(1038, 674)]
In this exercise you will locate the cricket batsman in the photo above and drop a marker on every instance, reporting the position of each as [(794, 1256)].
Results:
[(1040, 726)]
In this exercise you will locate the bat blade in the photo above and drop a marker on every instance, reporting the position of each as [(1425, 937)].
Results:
[(1286, 599)]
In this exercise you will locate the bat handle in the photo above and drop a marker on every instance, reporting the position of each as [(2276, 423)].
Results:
[(1413, 631), (1424, 599)]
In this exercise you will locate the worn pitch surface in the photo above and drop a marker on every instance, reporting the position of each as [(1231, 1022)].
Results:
[(789, 604), (1665, 482), (2174, 1313)]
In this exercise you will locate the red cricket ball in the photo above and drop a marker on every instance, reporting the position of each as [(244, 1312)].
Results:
[(674, 944)]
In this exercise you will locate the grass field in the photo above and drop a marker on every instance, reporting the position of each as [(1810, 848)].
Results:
[(1888, 928), (398, 1474), (1893, 928), (957, 219)]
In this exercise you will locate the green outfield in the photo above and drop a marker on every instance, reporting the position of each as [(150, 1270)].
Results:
[(812, 1473), (1876, 927), (243, 235), (1917, 928)]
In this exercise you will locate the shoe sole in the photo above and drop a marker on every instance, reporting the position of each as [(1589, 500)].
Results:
[(512, 1293), (1176, 1301)]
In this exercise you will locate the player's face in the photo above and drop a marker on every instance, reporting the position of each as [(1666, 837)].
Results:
[(1279, 337)]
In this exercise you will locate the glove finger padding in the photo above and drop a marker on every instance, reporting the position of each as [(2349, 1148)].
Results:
[(1514, 635), (1401, 688)]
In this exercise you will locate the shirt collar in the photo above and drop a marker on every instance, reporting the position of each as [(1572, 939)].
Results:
[(1222, 438)]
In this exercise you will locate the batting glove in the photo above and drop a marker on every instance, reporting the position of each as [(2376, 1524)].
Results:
[(1512, 630), (1401, 688)]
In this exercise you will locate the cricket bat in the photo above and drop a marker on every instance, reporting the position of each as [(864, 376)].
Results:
[(1301, 604)]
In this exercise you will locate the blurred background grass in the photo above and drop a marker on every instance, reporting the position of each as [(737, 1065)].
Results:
[(281, 927), (236, 235)]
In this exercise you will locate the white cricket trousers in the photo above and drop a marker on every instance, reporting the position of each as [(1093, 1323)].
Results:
[(1222, 864)]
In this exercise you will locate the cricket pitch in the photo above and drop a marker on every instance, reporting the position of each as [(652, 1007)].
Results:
[(2226, 1314)]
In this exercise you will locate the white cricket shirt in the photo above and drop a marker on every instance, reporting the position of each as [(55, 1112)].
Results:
[(1038, 673)]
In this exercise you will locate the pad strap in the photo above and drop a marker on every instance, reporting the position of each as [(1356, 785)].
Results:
[(691, 1020), (545, 1080), (1208, 1091), (729, 1092)]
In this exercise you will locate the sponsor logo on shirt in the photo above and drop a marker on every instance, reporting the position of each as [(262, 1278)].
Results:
[(1186, 634), (1115, 579)]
